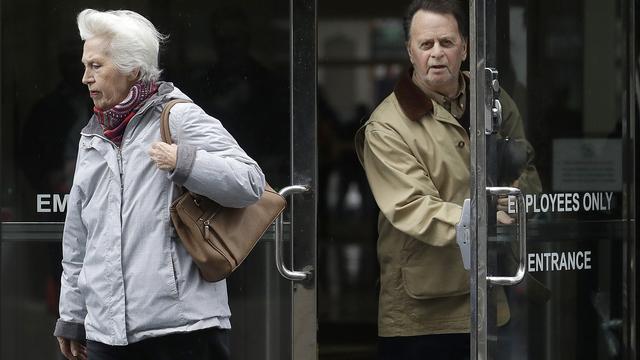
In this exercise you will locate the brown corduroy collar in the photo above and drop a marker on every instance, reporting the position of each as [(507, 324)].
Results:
[(413, 101)]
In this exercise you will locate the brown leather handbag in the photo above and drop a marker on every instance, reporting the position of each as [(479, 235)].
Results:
[(219, 238)]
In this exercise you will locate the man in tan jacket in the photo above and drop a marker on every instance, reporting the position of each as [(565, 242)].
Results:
[(415, 151)]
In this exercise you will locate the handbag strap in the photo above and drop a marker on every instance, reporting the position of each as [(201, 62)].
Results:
[(164, 119)]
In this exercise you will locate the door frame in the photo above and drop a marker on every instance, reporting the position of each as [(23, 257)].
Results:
[(482, 55), (478, 227), (304, 167)]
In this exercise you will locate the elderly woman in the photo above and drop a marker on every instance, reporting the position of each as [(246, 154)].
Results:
[(129, 288)]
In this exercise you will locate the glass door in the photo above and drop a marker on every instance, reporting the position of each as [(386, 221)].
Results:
[(249, 63), (553, 198)]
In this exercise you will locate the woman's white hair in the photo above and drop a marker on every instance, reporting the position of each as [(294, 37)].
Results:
[(134, 42)]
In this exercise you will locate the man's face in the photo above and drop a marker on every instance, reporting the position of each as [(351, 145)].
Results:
[(436, 50)]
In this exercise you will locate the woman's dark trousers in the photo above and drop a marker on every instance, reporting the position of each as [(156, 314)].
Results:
[(207, 344)]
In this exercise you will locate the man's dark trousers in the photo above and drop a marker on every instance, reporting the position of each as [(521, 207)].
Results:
[(425, 347)]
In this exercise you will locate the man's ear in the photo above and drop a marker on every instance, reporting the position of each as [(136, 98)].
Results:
[(465, 50), (408, 47)]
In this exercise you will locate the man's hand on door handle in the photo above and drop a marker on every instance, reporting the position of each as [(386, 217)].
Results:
[(503, 216)]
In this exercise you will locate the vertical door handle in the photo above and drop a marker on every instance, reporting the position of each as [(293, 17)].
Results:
[(286, 273), (522, 236)]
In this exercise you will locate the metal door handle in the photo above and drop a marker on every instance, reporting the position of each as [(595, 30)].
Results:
[(286, 273), (522, 236), (463, 234), (496, 114)]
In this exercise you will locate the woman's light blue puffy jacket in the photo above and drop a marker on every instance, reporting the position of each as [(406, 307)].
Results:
[(126, 276)]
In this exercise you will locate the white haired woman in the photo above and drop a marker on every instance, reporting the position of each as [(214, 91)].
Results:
[(129, 289)]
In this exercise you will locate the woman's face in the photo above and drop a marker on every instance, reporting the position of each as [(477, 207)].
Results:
[(107, 86)]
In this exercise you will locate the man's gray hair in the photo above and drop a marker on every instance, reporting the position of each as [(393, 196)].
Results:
[(134, 42)]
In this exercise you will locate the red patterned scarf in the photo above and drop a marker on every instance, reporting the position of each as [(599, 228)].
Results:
[(115, 120)]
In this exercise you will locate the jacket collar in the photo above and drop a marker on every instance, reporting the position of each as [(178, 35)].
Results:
[(415, 103), (166, 91)]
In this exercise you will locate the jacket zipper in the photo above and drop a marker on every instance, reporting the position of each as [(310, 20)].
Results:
[(120, 168)]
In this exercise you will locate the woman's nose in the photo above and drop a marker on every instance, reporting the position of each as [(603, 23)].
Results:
[(87, 77)]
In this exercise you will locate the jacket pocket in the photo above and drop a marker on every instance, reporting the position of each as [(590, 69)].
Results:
[(435, 272), (175, 266), (81, 281)]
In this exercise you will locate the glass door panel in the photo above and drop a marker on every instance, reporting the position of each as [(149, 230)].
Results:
[(245, 63), (576, 300)]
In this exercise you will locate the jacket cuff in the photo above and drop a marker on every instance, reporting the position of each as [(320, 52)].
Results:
[(186, 156), (69, 330)]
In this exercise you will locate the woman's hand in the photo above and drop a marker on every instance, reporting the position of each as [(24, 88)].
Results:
[(164, 155), (72, 349)]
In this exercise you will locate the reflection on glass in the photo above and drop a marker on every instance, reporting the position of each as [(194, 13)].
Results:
[(570, 304), (232, 59), (359, 62)]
